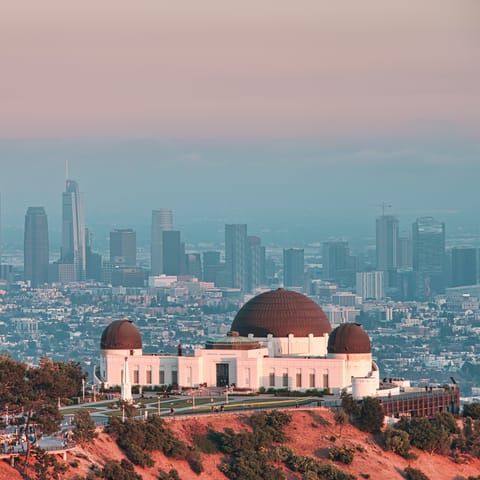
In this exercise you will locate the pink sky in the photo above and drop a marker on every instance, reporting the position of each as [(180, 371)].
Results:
[(253, 69)]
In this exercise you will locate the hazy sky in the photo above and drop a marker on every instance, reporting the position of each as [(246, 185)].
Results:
[(296, 110), (255, 68)]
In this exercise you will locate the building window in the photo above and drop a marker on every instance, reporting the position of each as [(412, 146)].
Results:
[(311, 378), (325, 379), (136, 376), (298, 378), (271, 378), (149, 376), (285, 378), (162, 377), (174, 377)]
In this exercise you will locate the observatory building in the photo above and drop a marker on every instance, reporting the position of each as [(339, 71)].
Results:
[(278, 339)]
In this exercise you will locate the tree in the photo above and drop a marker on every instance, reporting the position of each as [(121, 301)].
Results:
[(371, 415), (47, 466), (35, 392), (350, 405), (472, 410), (425, 434), (83, 427), (341, 419)]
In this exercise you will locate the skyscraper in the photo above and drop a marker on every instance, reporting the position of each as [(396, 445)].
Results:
[(94, 260), (173, 253), (236, 256), (464, 266), (404, 252), (36, 246), (162, 220), (256, 263), (73, 230), (211, 266), (293, 267), (428, 237), (387, 245), (123, 247)]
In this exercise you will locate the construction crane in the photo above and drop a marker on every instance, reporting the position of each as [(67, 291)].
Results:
[(383, 206)]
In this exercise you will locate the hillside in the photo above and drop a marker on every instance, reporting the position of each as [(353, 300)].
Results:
[(309, 433)]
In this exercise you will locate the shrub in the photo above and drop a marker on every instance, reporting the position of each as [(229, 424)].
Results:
[(250, 465), (138, 438), (171, 475), (114, 470), (341, 454), (280, 453), (331, 472), (414, 474), (194, 459), (397, 441), (205, 444)]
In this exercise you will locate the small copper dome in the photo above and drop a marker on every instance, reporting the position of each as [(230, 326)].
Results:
[(121, 335), (280, 313), (349, 338)]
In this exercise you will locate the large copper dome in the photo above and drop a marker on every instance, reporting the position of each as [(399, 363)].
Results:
[(121, 335), (349, 338), (281, 312)]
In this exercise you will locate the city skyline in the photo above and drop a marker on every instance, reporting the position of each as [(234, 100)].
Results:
[(318, 110)]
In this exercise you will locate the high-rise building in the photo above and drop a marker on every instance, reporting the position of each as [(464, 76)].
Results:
[(211, 266), (387, 246), (162, 220), (293, 267), (338, 265), (36, 246), (404, 253), (370, 285), (73, 230), (464, 266), (428, 237), (256, 263), (193, 264), (335, 256), (94, 260), (236, 256), (123, 247), (173, 253)]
